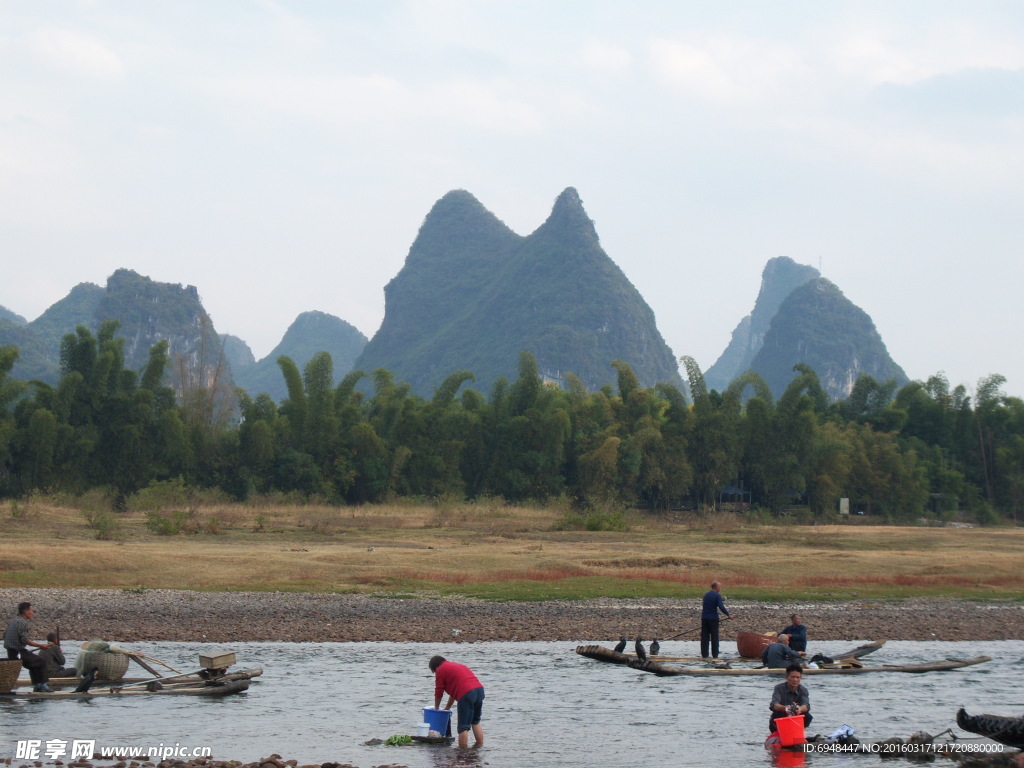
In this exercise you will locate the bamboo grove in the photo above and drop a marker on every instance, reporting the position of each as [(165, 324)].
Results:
[(922, 450)]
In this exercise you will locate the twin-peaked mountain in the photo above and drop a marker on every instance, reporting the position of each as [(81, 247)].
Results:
[(800, 317), (473, 294)]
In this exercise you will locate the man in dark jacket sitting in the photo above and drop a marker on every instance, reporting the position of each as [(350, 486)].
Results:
[(16, 642), (797, 632), (54, 658), (779, 655)]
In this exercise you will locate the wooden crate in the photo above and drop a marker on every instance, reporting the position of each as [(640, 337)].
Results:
[(217, 660)]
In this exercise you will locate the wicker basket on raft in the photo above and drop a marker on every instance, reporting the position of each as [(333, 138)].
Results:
[(111, 663), (9, 671)]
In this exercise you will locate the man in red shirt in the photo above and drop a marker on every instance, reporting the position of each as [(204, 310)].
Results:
[(464, 687)]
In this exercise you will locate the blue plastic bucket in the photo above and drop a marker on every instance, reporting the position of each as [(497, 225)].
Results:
[(440, 720)]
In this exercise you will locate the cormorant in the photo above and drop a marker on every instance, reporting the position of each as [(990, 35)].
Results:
[(621, 644), (640, 652), (87, 680), (655, 647)]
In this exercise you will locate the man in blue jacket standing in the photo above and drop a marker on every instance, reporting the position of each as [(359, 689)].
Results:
[(713, 603)]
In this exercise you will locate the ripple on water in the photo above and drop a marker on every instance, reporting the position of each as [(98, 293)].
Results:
[(546, 707)]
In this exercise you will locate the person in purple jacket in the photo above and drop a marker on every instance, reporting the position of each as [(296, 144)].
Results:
[(712, 604)]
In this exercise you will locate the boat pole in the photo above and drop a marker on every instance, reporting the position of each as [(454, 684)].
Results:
[(686, 632)]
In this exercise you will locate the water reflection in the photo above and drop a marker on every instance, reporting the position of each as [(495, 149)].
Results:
[(787, 759), (470, 757), (546, 707)]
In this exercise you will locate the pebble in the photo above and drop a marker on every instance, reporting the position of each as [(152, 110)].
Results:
[(224, 617)]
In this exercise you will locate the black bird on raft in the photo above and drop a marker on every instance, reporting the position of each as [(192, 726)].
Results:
[(621, 646), (655, 647), (87, 680), (640, 652)]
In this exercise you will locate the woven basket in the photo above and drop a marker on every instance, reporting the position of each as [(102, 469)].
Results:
[(9, 671), (112, 666)]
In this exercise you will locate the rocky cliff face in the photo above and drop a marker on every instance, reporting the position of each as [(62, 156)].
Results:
[(473, 294), (780, 277), (819, 326), (311, 333), (147, 312)]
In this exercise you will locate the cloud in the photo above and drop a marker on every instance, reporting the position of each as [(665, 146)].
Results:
[(383, 100), (730, 70), (604, 58), (471, 102), (693, 69), (341, 97), (978, 94), (77, 53)]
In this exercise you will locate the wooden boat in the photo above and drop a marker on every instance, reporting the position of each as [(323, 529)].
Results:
[(847, 667), (750, 644), (1005, 730), (600, 653), (182, 685)]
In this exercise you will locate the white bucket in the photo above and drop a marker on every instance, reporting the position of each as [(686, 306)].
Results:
[(423, 729)]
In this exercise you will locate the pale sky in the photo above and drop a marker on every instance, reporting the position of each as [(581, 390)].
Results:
[(281, 156)]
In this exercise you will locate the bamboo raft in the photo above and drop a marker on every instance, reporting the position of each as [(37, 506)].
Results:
[(63, 682), (852, 668), (600, 653), (190, 684)]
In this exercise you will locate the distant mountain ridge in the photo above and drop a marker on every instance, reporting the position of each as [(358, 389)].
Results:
[(473, 294), (799, 317), (310, 333), (147, 312), (817, 325), (11, 317), (779, 278)]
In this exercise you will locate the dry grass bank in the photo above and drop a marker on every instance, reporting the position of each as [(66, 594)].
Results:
[(496, 551)]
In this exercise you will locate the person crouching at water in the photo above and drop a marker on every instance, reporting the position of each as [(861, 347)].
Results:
[(461, 685), (790, 698)]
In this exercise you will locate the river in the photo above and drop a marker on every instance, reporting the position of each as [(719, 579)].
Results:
[(546, 707)]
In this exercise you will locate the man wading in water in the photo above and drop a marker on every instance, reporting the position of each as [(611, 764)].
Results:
[(462, 686)]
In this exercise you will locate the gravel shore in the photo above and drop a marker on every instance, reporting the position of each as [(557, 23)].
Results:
[(220, 617)]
